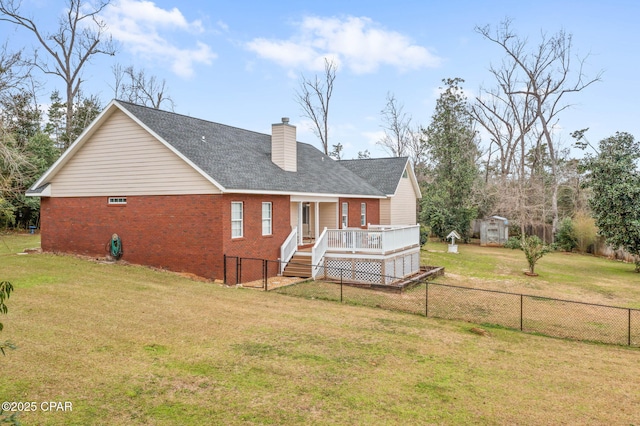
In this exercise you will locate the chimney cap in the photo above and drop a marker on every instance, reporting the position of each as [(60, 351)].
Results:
[(285, 120)]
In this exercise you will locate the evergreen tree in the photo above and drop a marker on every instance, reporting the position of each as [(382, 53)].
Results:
[(614, 178), (55, 125), (566, 238), (20, 116), (84, 111), (452, 169)]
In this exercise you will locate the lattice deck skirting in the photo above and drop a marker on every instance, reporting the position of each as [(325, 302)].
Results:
[(370, 271)]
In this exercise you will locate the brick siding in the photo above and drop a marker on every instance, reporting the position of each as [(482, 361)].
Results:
[(373, 211), (182, 233), (253, 244)]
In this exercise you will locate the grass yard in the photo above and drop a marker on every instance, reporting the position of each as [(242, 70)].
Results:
[(571, 276), (128, 345)]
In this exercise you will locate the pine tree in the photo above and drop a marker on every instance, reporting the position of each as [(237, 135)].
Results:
[(452, 152)]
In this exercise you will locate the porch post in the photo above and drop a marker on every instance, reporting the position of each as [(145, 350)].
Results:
[(316, 224), (300, 230)]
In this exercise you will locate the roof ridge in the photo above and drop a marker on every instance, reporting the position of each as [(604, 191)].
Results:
[(378, 158)]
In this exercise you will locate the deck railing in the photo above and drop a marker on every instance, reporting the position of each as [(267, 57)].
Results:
[(374, 240)]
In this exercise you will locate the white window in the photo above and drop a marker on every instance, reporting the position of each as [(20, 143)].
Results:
[(363, 214), (236, 219), (345, 215), (266, 218), (117, 201)]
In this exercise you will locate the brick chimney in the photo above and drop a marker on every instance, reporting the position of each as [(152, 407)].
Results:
[(283, 145)]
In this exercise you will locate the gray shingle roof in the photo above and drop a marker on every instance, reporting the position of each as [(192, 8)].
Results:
[(383, 173), (38, 190), (241, 159)]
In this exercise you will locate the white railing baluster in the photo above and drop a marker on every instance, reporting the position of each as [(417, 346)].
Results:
[(317, 253), (288, 249), (378, 239)]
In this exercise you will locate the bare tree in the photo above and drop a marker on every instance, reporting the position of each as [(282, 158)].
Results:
[(542, 75), (13, 82), (397, 128), (508, 119), (11, 75), (136, 87), (314, 97), (80, 36), (401, 138), (417, 152)]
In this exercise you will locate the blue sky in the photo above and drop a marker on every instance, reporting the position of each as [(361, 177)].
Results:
[(239, 63)]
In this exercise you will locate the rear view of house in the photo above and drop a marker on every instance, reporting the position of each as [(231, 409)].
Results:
[(181, 193)]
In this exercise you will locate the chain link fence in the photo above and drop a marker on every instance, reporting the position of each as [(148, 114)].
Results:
[(532, 314)]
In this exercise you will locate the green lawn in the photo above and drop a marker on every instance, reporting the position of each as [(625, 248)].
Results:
[(572, 276), (130, 345)]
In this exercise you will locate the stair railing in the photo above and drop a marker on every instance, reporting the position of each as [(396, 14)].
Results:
[(317, 253), (288, 249)]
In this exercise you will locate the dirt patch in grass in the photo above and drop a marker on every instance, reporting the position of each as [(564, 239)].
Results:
[(273, 283)]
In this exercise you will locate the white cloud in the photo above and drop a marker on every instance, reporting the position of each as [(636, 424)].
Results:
[(223, 26), (373, 138), (143, 28), (358, 44)]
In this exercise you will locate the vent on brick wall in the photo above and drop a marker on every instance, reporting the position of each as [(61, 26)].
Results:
[(117, 200)]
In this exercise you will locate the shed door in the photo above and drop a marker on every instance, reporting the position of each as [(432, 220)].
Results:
[(493, 233)]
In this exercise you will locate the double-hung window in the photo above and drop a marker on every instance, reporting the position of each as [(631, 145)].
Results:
[(236, 219), (345, 215), (363, 214), (267, 209)]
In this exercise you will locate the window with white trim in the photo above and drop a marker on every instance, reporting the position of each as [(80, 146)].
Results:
[(345, 215), (118, 201), (267, 209), (236, 219), (363, 214)]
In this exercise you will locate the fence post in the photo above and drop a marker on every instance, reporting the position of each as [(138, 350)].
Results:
[(224, 269), (521, 297), (264, 273), (426, 298), (238, 270), (341, 285), (629, 326)]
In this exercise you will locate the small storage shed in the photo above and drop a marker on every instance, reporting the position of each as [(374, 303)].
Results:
[(494, 231)]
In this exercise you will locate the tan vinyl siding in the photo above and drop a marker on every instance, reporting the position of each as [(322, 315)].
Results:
[(283, 146), (328, 216), (385, 212), (403, 204), (293, 214), (120, 159)]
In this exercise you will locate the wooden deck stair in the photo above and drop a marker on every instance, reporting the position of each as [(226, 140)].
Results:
[(298, 266)]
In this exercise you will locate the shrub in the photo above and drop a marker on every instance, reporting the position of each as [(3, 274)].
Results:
[(585, 230), (424, 234), (5, 291), (533, 247), (566, 237)]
